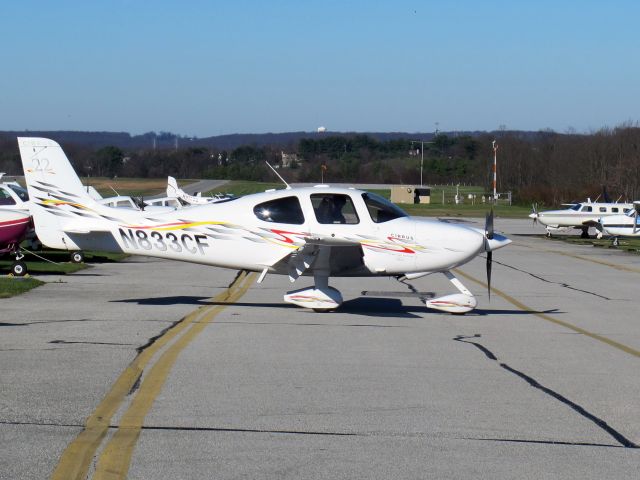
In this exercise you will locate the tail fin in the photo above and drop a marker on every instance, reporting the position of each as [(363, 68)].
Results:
[(57, 197), (172, 187)]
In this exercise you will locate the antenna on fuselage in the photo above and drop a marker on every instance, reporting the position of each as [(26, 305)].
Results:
[(278, 175)]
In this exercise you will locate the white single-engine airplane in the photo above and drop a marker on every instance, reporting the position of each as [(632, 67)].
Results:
[(317, 231), (622, 225), (173, 191), (580, 215)]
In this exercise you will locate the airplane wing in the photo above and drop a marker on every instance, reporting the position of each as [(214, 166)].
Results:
[(334, 259)]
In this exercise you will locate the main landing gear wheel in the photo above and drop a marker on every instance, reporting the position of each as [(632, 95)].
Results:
[(77, 257), (320, 297), (457, 303), (19, 268)]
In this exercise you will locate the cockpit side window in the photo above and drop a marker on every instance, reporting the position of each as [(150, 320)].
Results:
[(334, 208), (380, 209), (587, 209), (281, 210)]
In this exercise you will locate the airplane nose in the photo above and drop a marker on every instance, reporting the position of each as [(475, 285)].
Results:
[(457, 239), (467, 241), (533, 215)]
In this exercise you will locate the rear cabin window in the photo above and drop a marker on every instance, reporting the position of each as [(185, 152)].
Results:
[(603, 209), (281, 210), (334, 208), (614, 209), (380, 209)]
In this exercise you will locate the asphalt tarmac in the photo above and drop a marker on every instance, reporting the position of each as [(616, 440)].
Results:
[(153, 369)]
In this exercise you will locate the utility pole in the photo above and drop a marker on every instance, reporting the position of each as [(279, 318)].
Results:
[(495, 165), (422, 142)]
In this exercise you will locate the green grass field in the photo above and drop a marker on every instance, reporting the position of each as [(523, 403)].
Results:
[(107, 187), (240, 188), (12, 286), (625, 244), (56, 263)]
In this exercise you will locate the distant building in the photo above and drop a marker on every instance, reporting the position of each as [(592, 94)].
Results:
[(322, 129), (289, 159)]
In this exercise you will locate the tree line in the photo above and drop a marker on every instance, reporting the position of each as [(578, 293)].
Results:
[(545, 167)]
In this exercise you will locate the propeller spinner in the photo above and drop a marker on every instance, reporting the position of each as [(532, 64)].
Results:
[(534, 213)]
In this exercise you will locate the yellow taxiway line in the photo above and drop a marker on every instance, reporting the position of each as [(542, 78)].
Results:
[(549, 318), (115, 459)]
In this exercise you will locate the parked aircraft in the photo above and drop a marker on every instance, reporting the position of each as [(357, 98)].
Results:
[(13, 196), (173, 191), (580, 216), (14, 226), (135, 203), (622, 225), (316, 231)]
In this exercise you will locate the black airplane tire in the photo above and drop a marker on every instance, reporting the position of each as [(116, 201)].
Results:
[(19, 269), (77, 257)]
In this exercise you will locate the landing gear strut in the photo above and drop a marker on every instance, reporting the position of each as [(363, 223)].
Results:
[(18, 267)]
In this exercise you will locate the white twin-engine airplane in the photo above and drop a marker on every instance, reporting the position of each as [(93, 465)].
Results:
[(316, 231), (580, 216)]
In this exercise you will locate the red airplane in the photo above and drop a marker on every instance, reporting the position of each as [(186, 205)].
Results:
[(14, 226)]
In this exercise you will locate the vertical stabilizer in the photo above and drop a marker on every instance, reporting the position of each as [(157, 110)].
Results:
[(57, 197), (172, 188)]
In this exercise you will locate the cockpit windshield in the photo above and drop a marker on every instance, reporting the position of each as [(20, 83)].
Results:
[(381, 209), (576, 207)]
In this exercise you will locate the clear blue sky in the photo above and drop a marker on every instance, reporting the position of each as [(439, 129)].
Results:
[(208, 68)]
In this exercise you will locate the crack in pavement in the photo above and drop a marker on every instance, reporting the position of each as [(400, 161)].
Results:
[(252, 430), (70, 342), (625, 442), (562, 284), (545, 442)]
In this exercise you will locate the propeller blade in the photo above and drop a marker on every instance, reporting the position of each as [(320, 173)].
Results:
[(489, 262), (635, 221), (488, 225), (488, 228)]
